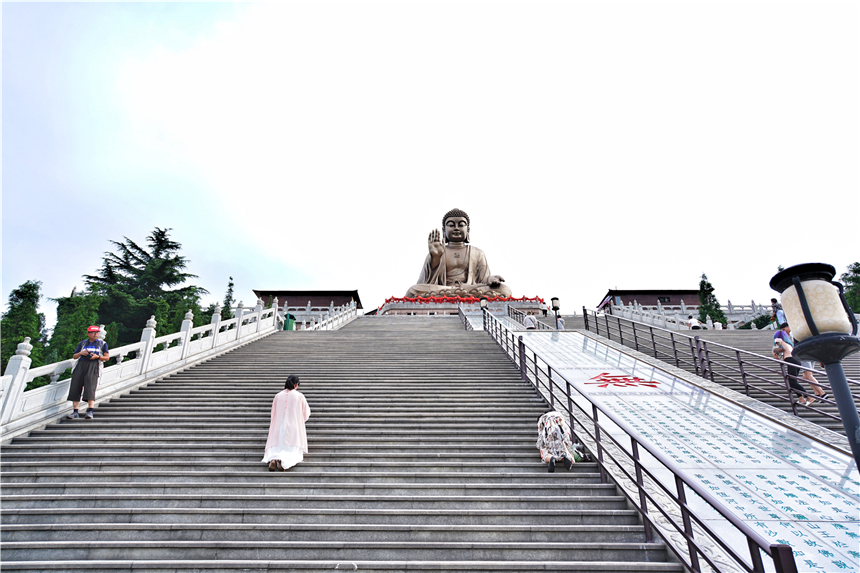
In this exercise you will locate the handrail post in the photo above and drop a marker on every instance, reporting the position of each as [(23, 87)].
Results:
[(635, 338), (653, 342), (743, 374), (788, 387), (585, 317), (522, 352), (708, 360), (17, 367), (185, 341), (640, 482), (783, 558), (608, 332), (694, 344), (148, 338), (620, 334), (597, 442), (675, 349), (688, 526)]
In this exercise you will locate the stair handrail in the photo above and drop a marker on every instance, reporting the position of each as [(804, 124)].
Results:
[(702, 356), (342, 315), (782, 555), (519, 316), (22, 411), (463, 318)]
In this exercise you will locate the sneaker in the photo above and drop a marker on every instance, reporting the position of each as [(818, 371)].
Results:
[(72, 416), (89, 415)]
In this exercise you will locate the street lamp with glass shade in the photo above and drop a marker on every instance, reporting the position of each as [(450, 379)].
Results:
[(555, 309), (825, 329)]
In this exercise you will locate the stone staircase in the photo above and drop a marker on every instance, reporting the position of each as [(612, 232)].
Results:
[(422, 458)]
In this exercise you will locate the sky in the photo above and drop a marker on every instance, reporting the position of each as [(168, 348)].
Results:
[(315, 145)]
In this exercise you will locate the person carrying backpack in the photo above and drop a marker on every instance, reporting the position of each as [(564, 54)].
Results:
[(91, 355)]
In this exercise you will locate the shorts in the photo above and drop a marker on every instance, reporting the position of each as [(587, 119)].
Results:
[(85, 378), (808, 364)]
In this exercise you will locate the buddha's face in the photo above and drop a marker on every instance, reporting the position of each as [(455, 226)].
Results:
[(456, 230)]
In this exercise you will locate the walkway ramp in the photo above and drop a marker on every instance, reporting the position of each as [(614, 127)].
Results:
[(777, 474), (422, 458)]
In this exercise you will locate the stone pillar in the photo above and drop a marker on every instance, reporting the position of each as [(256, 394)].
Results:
[(185, 329), (258, 311), (683, 307), (18, 367), (729, 306), (240, 316), (216, 322), (148, 338)]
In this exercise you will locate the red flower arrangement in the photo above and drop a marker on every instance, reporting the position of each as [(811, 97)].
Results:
[(459, 299)]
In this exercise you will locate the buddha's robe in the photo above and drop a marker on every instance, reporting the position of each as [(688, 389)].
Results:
[(478, 271)]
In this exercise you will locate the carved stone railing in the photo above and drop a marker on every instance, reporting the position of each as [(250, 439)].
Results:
[(676, 316), (340, 318), (153, 357)]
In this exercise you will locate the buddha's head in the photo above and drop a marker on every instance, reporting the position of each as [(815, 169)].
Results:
[(456, 226)]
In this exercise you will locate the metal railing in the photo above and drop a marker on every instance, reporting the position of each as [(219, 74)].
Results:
[(463, 318), (519, 315), (662, 508), (717, 362)]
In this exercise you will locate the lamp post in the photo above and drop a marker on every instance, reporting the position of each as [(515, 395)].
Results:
[(484, 310), (555, 309), (825, 329)]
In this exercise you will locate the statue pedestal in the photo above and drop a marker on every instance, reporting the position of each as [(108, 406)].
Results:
[(447, 306)]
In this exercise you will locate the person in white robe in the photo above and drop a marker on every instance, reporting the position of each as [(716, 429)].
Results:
[(288, 440)]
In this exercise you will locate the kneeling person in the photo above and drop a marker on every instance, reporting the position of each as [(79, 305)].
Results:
[(288, 441)]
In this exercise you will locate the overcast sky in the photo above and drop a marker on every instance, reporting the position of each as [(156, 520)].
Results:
[(314, 145)]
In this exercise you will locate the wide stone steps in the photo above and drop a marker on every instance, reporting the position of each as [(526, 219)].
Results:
[(555, 533), (422, 458), (373, 516), (346, 550)]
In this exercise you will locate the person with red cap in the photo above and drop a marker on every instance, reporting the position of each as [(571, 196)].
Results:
[(91, 354)]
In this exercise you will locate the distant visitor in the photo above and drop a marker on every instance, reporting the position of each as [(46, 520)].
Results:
[(455, 267)]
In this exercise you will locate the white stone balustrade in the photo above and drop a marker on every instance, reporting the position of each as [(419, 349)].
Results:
[(339, 316), (21, 412), (676, 316)]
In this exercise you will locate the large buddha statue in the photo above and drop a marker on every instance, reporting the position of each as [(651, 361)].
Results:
[(456, 268)]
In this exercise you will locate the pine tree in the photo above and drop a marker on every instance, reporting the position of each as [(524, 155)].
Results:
[(22, 319), (226, 309), (74, 314), (708, 303), (851, 281), (136, 283)]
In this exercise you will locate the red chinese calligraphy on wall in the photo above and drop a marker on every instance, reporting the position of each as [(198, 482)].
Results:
[(606, 380)]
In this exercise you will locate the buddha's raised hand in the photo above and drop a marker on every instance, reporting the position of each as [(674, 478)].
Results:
[(434, 244)]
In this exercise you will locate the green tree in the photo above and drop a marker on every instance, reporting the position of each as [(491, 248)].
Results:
[(22, 319), (226, 308), (851, 281), (708, 303), (138, 282), (74, 314)]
